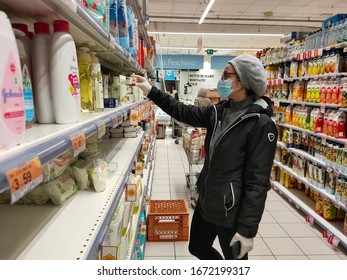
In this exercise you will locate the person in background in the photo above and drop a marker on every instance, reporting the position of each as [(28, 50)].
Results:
[(240, 146), (201, 100)]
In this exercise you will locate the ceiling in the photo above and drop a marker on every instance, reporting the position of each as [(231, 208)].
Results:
[(252, 18)]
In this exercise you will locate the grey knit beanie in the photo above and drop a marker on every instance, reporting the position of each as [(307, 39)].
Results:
[(251, 73)]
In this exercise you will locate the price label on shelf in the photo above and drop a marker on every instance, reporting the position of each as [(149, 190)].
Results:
[(322, 108), (114, 121), (101, 129), (125, 115), (109, 252), (78, 143), (290, 200), (324, 140), (24, 178), (298, 57), (297, 206), (277, 103), (304, 56), (310, 219), (334, 241), (112, 42)]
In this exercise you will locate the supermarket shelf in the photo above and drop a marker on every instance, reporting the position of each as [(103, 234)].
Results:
[(303, 180), (311, 158), (137, 221), (146, 181), (48, 141), (74, 230), (333, 139), (333, 106), (84, 29), (306, 205)]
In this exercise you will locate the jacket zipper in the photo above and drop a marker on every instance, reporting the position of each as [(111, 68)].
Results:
[(209, 165), (215, 126), (233, 197)]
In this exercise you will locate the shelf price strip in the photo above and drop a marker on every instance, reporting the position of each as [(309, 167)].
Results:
[(101, 129), (24, 178), (78, 143)]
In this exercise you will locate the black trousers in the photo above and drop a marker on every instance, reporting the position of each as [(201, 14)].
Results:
[(202, 236)]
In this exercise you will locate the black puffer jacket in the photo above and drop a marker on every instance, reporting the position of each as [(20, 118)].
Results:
[(233, 184)]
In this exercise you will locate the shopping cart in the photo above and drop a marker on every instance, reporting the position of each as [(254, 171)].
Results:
[(193, 145), (177, 128)]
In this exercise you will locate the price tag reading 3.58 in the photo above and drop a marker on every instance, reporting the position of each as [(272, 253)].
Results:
[(24, 178), (78, 143)]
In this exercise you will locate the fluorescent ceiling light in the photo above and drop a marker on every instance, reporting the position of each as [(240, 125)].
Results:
[(206, 11), (216, 34)]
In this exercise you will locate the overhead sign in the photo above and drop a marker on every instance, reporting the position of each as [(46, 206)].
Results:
[(219, 61), (199, 45), (210, 51), (180, 62)]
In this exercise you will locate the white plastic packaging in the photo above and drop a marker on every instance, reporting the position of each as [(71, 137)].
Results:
[(64, 76), (41, 78), (12, 110)]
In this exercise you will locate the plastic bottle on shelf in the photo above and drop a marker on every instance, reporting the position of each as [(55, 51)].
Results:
[(97, 83), (27, 43), (26, 78), (12, 110), (84, 63), (65, 84), (41, 78)]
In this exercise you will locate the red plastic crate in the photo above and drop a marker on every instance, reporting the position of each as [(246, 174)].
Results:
[(167, 220)]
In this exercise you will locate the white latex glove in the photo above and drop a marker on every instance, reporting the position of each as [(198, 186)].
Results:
[(246, 244), (143, 84)]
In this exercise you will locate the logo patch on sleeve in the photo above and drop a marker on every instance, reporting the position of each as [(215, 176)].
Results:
[(271, 136)]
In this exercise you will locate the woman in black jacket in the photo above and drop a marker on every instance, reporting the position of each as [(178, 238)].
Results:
[(240, 146)]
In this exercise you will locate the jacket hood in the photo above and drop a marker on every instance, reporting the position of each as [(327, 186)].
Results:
[(261, 105)]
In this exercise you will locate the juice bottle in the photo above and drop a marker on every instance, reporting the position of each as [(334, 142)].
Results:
[(12, 110)]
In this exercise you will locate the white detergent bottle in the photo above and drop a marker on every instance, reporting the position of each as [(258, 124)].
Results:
[(65, 86), (24, 57), (12, 110), (97, 83), (41, 79)]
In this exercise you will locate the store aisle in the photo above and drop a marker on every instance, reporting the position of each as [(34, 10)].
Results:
[(283, 233)]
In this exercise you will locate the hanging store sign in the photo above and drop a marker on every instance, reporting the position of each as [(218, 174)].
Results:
[(219, 61), (180, 62)]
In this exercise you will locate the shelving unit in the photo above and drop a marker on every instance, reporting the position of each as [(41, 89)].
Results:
[(147, 183), (306, 205), (298, 198), (76, 229)]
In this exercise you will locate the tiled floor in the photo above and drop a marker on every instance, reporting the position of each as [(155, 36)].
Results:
[(283, 233)]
